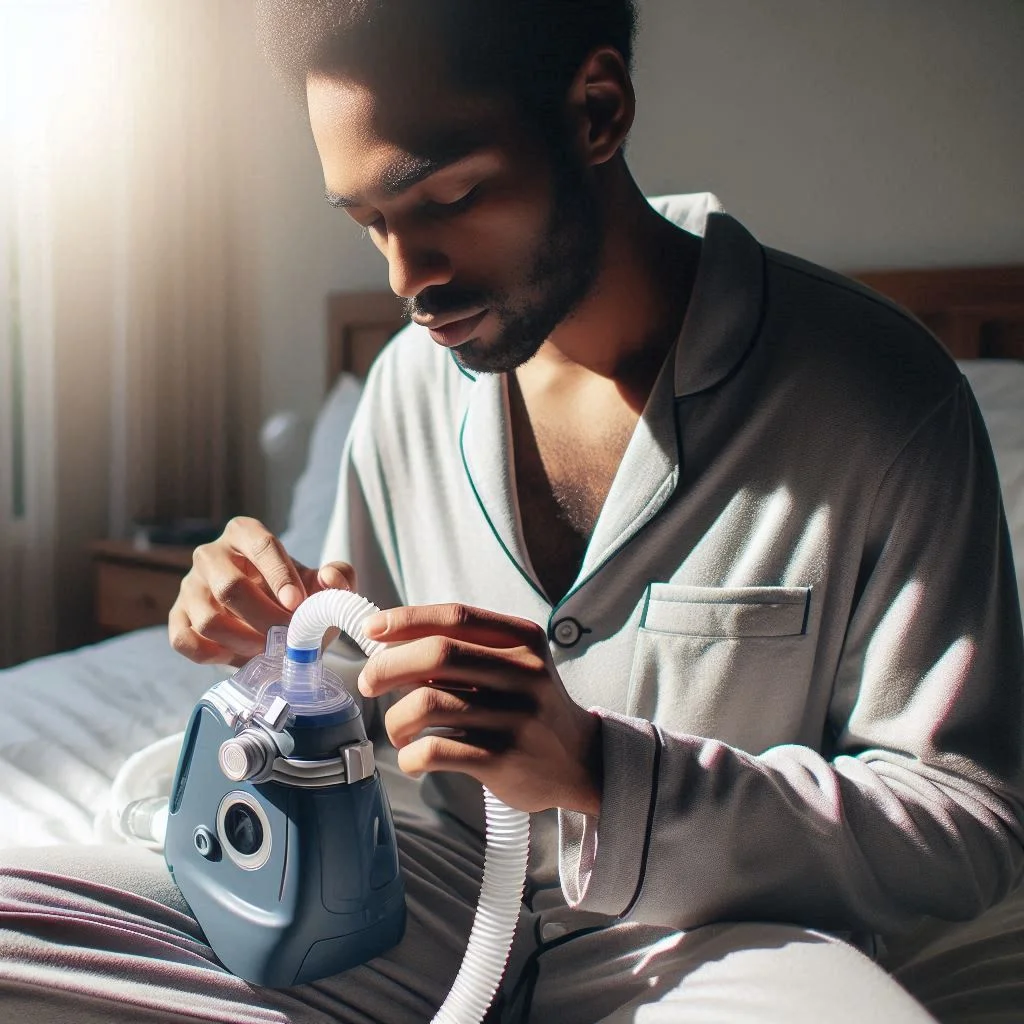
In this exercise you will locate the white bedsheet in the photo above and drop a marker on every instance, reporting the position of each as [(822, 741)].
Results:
[(68, 723)]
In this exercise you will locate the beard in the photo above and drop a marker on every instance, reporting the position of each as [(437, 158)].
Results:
[(561, 275)]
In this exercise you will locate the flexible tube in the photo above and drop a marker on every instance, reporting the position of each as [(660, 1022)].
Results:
[(501, 893), (508, 830), (138, 800), (340, 609)]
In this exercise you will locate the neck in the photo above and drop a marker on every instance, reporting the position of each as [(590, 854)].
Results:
[(623, 329)]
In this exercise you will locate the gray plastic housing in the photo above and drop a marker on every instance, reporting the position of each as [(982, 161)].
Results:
[(323, 891)]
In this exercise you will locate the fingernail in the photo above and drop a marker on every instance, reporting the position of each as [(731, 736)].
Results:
[(376, 625), (363, 688), (290, 596)]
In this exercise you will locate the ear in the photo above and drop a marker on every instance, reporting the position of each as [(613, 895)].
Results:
[(601, 105)]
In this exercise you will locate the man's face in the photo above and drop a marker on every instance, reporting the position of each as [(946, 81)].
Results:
[(492, 238)]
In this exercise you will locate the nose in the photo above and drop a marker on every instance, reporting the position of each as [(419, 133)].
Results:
[(413, 266)]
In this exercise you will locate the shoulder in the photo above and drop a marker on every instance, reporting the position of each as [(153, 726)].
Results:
[(410, 361), (867, 358), (414, 390)]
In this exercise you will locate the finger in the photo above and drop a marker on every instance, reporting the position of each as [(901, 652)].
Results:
[(330, 576), (476, 625), (441, 658), (252, 539), (337, 576), (195, 647), (220, 575), (215, 623), (446, 754), (429, 707)]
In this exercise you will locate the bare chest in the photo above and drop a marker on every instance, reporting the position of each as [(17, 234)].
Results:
[(564, 472)]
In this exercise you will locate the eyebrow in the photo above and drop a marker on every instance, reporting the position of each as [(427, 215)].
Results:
[(407, 171)]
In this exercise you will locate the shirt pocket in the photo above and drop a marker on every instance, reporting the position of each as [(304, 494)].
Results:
[(728, 663)]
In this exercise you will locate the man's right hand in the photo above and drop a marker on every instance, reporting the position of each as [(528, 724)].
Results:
[(239, 586)]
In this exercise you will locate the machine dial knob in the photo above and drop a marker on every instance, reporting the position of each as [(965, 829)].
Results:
[(243, 756)]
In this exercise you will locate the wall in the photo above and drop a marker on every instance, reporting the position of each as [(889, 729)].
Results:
[(855, 134), (291, 250), (863, 134)]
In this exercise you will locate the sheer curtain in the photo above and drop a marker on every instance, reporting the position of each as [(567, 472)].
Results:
[(116, 318)]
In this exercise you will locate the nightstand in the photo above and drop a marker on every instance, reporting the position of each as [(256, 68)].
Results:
[(136, 587)]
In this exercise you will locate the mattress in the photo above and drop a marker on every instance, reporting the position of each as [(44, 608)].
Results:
[(70, 720)]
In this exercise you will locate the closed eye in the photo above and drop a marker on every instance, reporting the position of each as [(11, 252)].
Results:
[(464, 202), (367, 226), (429, 207)]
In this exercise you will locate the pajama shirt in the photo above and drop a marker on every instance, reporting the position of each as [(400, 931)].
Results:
[(797, 620), (797, 614)]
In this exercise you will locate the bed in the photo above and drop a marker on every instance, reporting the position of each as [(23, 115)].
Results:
[(71, 720)]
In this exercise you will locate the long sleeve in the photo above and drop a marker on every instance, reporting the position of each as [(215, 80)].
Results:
[(912, 806)]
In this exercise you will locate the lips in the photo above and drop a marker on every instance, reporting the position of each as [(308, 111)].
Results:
[(455, 332)]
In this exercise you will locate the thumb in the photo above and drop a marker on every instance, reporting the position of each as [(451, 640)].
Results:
[(335, 576)]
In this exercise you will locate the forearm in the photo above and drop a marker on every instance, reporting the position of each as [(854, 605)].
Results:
[(911, 804), (693, 831)]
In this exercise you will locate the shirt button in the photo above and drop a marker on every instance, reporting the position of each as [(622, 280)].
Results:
[(552, 930), (567, 632)]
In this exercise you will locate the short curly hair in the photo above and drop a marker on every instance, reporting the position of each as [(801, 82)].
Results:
[(529, 50)]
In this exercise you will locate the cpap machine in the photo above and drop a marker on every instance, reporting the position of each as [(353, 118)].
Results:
[(279, 832)]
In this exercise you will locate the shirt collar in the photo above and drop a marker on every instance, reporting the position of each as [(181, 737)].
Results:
[(728, 292)]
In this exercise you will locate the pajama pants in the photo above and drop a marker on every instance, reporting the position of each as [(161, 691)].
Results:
[(101, 934)]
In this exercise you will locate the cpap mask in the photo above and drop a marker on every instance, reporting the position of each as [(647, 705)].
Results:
[(279, 833)]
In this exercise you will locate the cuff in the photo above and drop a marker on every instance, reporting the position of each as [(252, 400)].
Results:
[(601, 861)]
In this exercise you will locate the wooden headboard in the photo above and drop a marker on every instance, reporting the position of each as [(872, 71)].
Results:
[(977, 312), (358, 325)]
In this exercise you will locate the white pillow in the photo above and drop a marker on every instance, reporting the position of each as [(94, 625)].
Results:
[(998, 385), (314, 494)]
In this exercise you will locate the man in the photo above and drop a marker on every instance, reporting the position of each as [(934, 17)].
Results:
[(690, 547)]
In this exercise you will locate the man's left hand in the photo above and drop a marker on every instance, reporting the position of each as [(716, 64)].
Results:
[(485, 685)]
